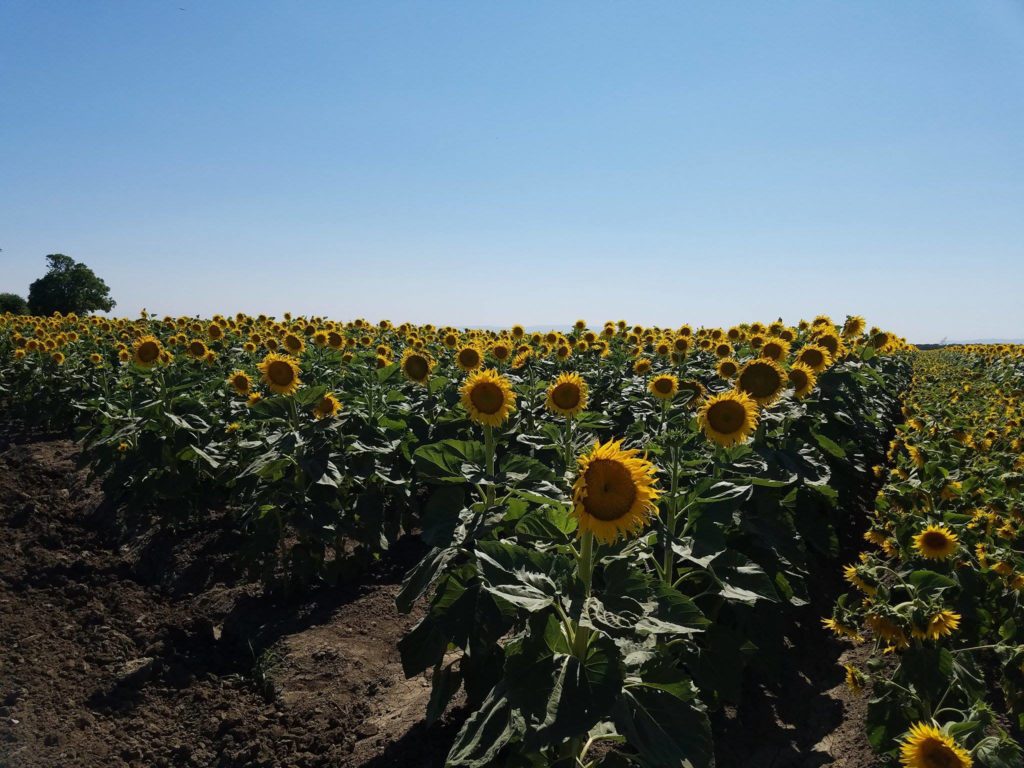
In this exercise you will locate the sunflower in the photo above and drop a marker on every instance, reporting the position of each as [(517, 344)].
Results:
[(802, 378), (854, 326), (567, 396), (664, 386), (240, 382), (842, 630), (887, 630), (327, 407), (815, 357), (641, 366), (943, 623), (936, 542), (501, 351), (468, 358), (852, 576), (696, 392), (294, 343), (417, 366), (925, 746), (280, 373), (728, 368), (197, 349), (614, 493), (147, 351), (775, 349), (488, 397), (728, 418), (854, 679), (763, 380)]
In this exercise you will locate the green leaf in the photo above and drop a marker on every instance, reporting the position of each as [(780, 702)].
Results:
[(486, 733), (666, 729)]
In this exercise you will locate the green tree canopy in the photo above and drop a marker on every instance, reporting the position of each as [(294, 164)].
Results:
[(13, 303), (68, 286)]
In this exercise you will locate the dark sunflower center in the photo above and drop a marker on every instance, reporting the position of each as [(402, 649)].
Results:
[(487, 397), (148, 351), (610, 490), (280, 373), (566, 395), (469, 357), (935, 540), (197, 348), (664, 386), (935, 754), (772, 350), (831, 343), (760, 381), (728, 369), (416, 367), (727, 416), (798, 378), (812, 357), (241, 383)]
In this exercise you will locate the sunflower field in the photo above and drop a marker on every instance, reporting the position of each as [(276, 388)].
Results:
[(622, 523)]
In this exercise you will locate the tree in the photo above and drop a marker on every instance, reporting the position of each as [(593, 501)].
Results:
[(68, 286), (13, 303)]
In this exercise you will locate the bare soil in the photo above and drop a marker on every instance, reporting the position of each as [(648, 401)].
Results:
[(154, 653)]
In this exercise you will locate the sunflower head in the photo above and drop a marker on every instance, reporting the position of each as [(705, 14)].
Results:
[(240, 382), (614, 493), (802, 379), (280, 373), (567, 395), (728, 418), (728, 368), (197, 349), (936, 542), (488, 397), (416, 365), (327, 407), (762, 379), (642, 366), (815, 357), (664, 386), (468, 358), (694, 393), (147, 351), (775, 349), (925, 746)]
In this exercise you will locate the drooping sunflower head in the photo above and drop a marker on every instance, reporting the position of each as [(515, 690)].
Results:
[(728, 418), (664, 386), (468, 358), (280, 373), (802, 379), (416, 365), (147, 351), (815, 357), (925, 746), (728, 368), (488, 397), (327, 407), (614, 493), (762, 379), (936, 542), (240, 382), (567, 396)]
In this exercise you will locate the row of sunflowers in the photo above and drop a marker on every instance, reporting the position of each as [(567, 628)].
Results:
[(622, 522), (939, 591)]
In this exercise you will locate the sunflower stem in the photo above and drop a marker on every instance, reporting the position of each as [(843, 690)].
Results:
[(584, 572), (489, 450), (668, 561)]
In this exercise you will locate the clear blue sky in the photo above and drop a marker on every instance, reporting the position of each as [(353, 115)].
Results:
[(486, 163)]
